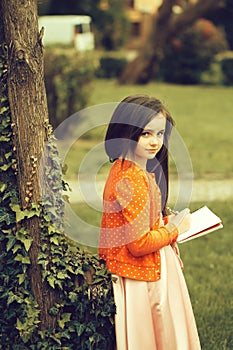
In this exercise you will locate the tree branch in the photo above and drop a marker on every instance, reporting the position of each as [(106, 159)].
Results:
[(165, 10)]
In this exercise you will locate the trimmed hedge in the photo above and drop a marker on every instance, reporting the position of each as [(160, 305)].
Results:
[(67, 79), (111, 67)]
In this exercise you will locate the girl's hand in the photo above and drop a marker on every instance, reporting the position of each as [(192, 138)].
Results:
[(182, 220)]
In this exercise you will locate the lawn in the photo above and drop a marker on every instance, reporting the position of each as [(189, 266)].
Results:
[(204, 118), (208, 271)]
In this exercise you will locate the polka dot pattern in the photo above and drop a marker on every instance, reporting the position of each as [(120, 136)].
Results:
[(132, 231)]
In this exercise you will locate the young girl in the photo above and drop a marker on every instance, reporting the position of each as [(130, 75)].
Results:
[(137, 241)]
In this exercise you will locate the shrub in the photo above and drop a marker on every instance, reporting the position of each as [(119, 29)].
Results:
[(191, 53), (111, 67), (67, 79), (227, 69), (214, 75)]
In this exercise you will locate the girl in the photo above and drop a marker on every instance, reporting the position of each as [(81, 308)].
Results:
[(137, 241)]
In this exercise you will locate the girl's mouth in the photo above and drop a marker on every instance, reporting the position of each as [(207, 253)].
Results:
[(152, 150)]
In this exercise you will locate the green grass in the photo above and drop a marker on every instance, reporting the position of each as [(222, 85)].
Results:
[(203, 116), (208, 271)]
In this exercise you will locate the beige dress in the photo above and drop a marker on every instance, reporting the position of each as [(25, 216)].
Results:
[(155, 315)]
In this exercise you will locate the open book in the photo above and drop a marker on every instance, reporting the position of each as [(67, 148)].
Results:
[(203, 221)]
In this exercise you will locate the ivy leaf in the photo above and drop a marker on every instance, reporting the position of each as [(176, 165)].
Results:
[(80, 329), (21, 277), (27, 243), (22, 214), (3, 186), (6, 139), (23, 259), (10, 243), (55, 338), (16, 248), (51, 229), (65, 318), (7, 217), (19, 325), (11, 298), (62, 275), (7, 155), (54, 240), (70, 269), (4, 109), (59, 284), (51, 280)]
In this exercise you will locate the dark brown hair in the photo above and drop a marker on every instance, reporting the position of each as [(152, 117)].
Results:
[(126, 125)]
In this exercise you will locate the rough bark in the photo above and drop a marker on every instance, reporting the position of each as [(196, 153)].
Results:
[(28, 105), (166, 25)]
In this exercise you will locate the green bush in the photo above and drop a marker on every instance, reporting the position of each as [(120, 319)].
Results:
[(111, 67), (191, 53), (67, 78), (227, 69)]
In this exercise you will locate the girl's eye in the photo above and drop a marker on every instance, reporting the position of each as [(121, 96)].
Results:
[(145, 133), (160, 133), (149, 133)]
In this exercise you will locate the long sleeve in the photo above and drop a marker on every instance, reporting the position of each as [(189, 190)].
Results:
[(152, 241), (143, 233)]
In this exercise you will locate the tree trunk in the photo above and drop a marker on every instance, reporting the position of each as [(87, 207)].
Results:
[(166, 25), (28, 106)]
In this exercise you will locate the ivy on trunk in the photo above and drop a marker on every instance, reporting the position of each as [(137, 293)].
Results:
[(52, 294)]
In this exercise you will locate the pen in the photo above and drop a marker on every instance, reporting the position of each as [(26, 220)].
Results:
[(175, 212)]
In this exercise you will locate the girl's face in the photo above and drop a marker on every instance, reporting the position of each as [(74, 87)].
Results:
[(150, 141)]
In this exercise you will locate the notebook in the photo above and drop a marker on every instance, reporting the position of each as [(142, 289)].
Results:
[(203, 221)]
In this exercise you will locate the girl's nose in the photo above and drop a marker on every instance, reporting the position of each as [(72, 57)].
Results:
[(154, 140)]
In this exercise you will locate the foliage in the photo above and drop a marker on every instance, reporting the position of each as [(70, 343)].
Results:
[(214, 74), (222, 16), (227, 68), (113, 26), (67, 78), (88, 7), (191, 53), (84, 310), (110, 67)]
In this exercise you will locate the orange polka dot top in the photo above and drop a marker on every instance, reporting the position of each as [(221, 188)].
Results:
[(132, 231)]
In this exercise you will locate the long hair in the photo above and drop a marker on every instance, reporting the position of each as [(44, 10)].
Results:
[(126, 125)]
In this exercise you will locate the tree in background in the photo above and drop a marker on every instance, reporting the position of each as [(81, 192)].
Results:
[(167, 24), (222, 16), (191, 53)]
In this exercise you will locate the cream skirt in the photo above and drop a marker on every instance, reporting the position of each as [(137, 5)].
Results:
[(155, 315)]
